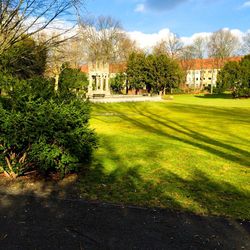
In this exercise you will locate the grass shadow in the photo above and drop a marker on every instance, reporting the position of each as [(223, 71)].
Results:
[(216, 96), (185, 134), (29, 221)]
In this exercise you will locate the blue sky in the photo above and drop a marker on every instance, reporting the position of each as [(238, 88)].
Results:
[(184, 17)]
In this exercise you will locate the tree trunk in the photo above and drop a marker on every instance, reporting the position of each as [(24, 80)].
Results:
[(11, 173), (56, 82)]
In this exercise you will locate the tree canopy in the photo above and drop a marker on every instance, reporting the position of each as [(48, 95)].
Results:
[(235, 76), (154, 72), (24, 59)]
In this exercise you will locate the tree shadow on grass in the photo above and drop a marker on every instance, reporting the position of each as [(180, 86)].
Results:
[(29, 221), (183, 134), (130, 185), (58, 221), (216, 96)]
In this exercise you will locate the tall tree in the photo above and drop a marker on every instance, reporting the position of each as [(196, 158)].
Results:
[(136, 71), (104, 37), (228, 77), (174, 46), (246, 43), (20, 19), (235, 76), (171, 45), (24, 60), (158, 73), (222, 44), (200, 49)]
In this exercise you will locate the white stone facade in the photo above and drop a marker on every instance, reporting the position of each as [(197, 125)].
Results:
[(98, 74), (201, 78)]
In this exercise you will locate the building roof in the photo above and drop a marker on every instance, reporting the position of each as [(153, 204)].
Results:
[(117, 68), (85, 68), (207, 63), (194, 64)]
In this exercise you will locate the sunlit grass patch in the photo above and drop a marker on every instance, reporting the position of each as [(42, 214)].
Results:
[(191, 153)]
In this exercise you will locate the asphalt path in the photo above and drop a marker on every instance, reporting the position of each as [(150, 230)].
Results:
[(33, 222)]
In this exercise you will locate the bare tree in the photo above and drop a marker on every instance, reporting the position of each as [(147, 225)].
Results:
[(246, 43), (186, 59), (125, 46), (200, 47), (103, 37), (68, 52), (22, 18), (200, 50), (171, 45), (222, 44), (174, 46), (160, 48), (187, 54)]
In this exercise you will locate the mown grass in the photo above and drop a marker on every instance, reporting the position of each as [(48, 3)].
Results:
[(191, 154)]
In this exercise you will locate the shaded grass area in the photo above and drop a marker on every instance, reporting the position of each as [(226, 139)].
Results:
[(191, 154), (217, 96)]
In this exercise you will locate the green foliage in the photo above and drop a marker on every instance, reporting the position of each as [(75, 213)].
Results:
[(45, 135), (235, 76), (163, 73), (23, 91), (155, 72), (24, 60), (41, 129), (228, 76), (137, 70), (117, 83), (72, 80)]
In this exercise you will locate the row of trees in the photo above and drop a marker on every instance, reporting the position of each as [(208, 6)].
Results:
[(236, 77), (155, 73), (220, 44)]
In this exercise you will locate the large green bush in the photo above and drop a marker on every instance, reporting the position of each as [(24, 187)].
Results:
[(45, 135), (43, 130)]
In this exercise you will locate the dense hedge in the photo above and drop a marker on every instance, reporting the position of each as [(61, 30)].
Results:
[(43, 130)]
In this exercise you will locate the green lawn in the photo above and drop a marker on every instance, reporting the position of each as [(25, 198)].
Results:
[(189, 154)]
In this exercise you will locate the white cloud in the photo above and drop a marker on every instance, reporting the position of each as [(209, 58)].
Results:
[(187, 40), (140, 8), (147, 41), (246, 4)]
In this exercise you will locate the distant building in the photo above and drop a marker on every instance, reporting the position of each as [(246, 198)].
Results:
[(202, 73), (99, 75)]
